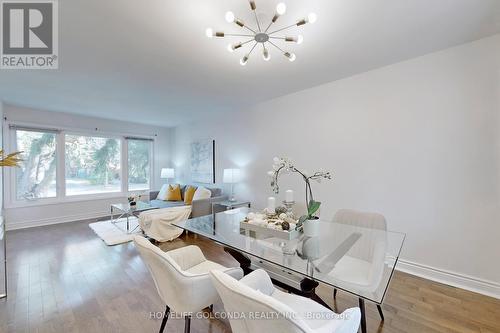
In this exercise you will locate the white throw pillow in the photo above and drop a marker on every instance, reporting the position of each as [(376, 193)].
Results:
[(202, 193), (162, 195)]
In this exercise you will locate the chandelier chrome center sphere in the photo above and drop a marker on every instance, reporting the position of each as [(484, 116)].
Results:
[(257, 35)]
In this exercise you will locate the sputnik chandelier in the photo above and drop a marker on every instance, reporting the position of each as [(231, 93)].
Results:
[(258, 35)]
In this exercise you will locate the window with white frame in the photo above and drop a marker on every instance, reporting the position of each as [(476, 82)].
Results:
[(140, 153), (36, 177), (58, 165), (92, 165)]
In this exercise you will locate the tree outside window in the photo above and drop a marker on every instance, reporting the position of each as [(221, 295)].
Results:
[(93, 165), (139, 164), (36, 175)]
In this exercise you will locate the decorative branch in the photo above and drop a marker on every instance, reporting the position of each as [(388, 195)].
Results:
[(11, 160), (285, 165)]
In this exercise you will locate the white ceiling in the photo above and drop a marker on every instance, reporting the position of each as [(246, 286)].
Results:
[(150, 60)]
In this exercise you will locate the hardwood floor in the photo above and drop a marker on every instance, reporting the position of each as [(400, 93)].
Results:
[(63, 278)]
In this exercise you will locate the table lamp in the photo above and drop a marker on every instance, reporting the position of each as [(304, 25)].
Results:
[(231, 176), (167, 173)]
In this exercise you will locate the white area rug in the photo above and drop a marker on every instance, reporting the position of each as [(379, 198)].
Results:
[(116, 233)]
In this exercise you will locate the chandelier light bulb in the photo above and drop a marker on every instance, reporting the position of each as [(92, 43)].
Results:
[(230, 17), (209, 32), (266, 55), (299, 39), (290, 56), (244, 60), (232, 47), (312, 18), (281, 8)]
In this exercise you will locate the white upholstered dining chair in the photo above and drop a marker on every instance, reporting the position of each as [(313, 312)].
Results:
[(277, 311), (363, 268), (182, 278)]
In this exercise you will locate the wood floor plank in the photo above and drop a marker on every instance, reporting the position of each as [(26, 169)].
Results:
[(63, 278)]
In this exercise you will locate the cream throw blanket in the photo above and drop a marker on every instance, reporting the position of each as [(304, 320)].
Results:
[(157, 223)]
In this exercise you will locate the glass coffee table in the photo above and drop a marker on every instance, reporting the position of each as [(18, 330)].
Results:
[(127, 211)]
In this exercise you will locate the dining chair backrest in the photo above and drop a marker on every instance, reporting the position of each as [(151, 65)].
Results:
[(245, 301), (372, 245), (253, 299), (166, 273), (361, 219)]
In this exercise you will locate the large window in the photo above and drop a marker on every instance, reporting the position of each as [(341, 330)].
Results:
[(92, 165), (36, 178), (139, 164), (58, 165)]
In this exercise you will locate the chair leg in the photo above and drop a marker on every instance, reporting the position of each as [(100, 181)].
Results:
[(334, 293), (187, 325), (165, 318), (363, 315), (380, 312)]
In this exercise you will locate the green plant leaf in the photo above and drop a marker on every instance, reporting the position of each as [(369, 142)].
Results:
[(313, 207), (302, 219)]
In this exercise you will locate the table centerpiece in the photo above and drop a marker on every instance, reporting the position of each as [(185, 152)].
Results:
[(283, 165)]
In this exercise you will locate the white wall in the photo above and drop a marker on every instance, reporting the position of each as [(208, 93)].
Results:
[(71, 211), (417, 141), (2, 235), (1, 169)]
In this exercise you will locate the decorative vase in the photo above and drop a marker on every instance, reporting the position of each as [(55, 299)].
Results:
[(311, 227), (310, 248)]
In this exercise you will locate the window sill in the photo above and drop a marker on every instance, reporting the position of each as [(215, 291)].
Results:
[(72, 199)]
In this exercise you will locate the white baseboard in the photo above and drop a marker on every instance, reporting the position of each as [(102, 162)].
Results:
[(55, 220), (480, 286)]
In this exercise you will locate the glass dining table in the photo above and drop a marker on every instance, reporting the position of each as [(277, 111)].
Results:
[(347, 257)]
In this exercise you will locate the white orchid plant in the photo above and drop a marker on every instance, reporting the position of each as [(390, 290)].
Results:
[(283, 165)]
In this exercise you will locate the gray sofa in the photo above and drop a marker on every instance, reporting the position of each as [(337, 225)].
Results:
[(199, 207)]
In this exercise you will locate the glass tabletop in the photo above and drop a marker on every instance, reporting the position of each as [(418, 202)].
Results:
[(141, 206), (229, 203), (355, 259)]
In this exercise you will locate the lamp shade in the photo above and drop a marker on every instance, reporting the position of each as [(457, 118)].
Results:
[(231, 176), (167, 173)]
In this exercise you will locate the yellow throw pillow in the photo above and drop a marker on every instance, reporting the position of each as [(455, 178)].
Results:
[(188, 194), (174, 193)]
